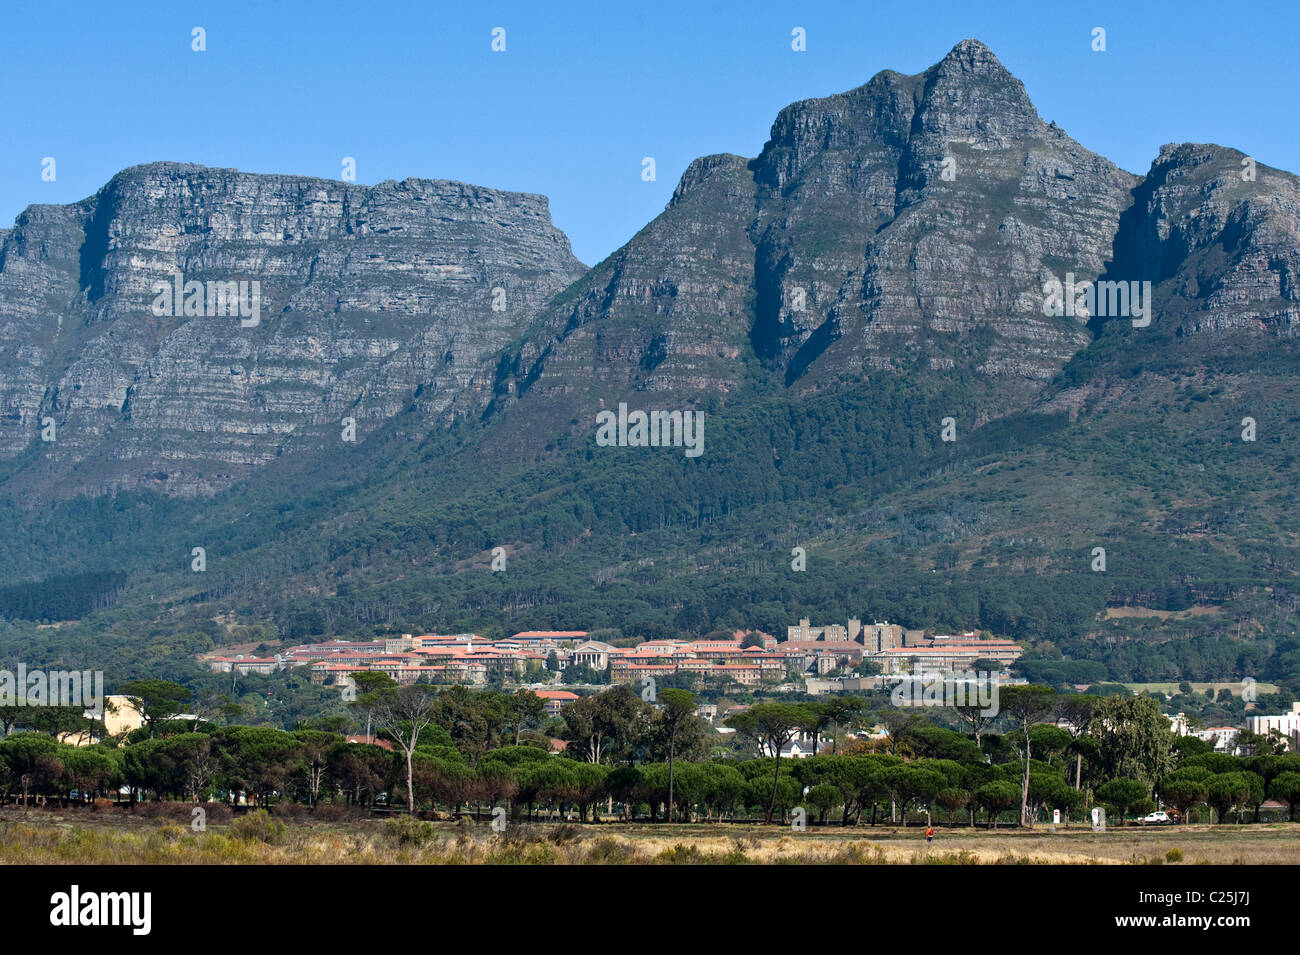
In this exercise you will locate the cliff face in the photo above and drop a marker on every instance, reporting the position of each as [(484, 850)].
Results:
[(922, 215), (1221, 235), (905, 226), (668, 314), (368, 295)]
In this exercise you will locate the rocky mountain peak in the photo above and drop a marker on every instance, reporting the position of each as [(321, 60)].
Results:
[(939, 197), (905, 226), (972, 56), (701, 170), (970, 95)]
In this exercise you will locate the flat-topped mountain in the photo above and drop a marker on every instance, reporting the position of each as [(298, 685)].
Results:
[(368, 295)]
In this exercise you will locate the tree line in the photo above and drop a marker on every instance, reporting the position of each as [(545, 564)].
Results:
[(456, 750)]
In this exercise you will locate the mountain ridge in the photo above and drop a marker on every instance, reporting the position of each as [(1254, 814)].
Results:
[(878, 270)]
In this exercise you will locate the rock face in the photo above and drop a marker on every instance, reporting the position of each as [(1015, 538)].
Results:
[(668, 314), (921, 216), (368, 295), (907, 225), (1221, 236)]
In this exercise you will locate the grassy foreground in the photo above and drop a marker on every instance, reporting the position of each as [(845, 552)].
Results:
[(78, 838)]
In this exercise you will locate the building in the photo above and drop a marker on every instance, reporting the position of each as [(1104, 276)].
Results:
[(592, 654), (879, 637), (467, 658), (1286, 724), (806, 632), (553, 636), (949, 655), (1178, 725), (803, 746), (747, 674), (120, 716), (399, 644), (875, 637), (556, 700), (634, 673), (1222, 738), (244, 665), (820, 686)]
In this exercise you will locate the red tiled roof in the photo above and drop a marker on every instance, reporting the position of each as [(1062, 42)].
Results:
[(959, 648)]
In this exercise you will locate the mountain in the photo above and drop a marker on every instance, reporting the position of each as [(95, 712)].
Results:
[(905, 226), (1113, 488), (368, 297)]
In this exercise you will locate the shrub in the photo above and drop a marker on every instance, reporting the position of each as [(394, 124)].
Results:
[(607, 851), (405, 831), (520, 853), (258, 826), (681, 854), (522, 834)]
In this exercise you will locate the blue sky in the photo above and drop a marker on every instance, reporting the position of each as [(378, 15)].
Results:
[(585, 90)]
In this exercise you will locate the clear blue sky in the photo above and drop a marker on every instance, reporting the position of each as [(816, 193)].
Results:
[(585, 90)]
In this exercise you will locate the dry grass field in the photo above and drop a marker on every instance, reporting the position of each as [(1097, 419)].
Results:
[(81, 838)]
